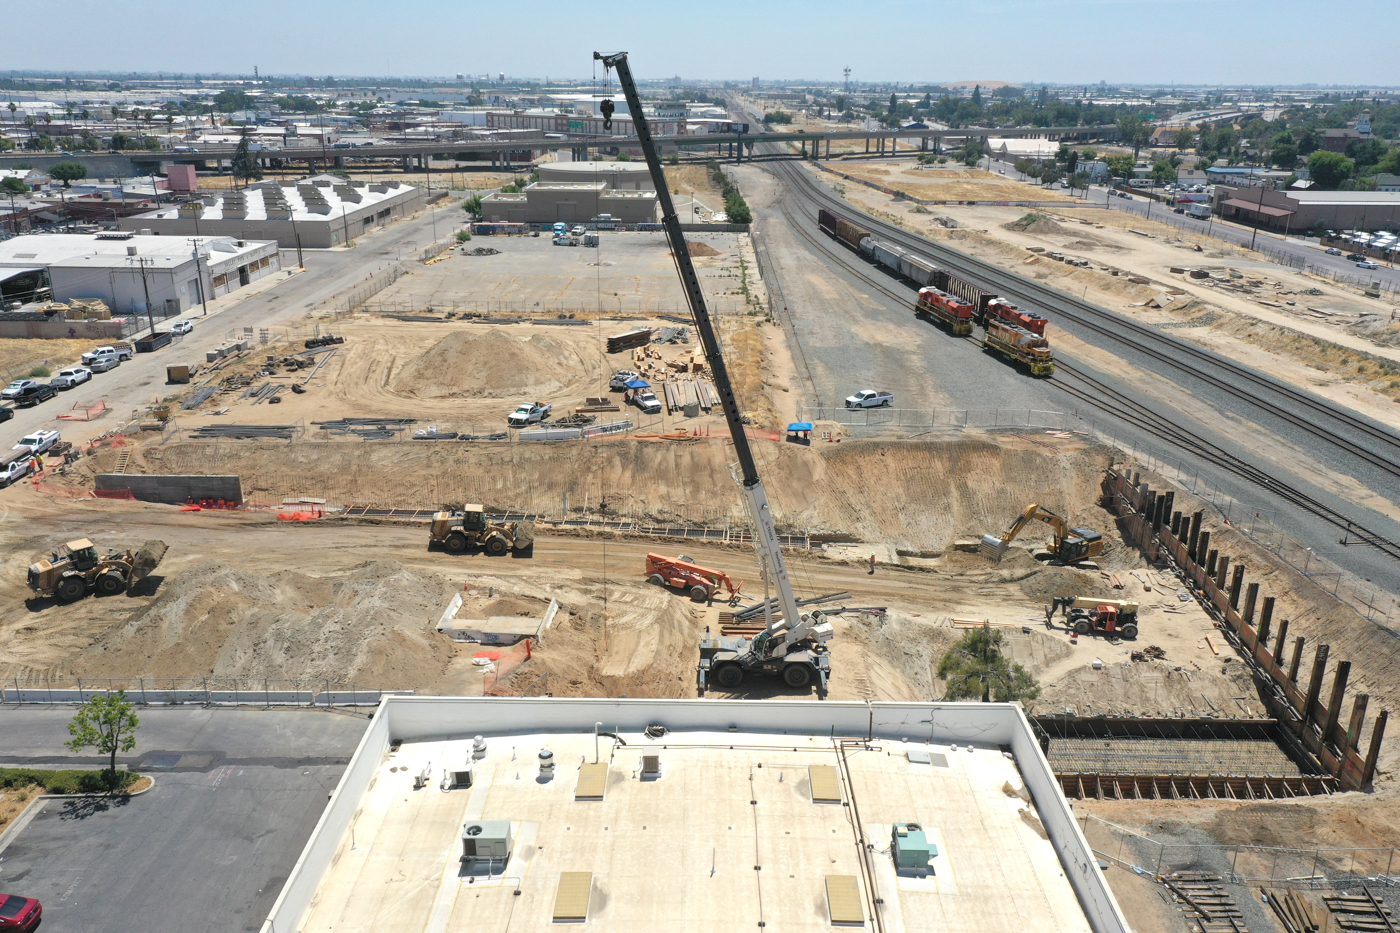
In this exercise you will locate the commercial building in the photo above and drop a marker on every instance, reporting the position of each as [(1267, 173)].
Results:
[(315, 213), (575, 192), (1303, 210), (132, 273), (493, 814), (1014, 149)]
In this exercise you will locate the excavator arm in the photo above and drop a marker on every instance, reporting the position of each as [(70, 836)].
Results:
[(994, 546)]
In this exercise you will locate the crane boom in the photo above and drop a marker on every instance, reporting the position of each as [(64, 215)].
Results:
[(765, 535)]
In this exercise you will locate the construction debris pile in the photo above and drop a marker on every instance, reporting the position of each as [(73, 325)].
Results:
[(370, 429), (245, 432)]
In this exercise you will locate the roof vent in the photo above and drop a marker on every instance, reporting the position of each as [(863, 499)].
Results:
[(651, 767)]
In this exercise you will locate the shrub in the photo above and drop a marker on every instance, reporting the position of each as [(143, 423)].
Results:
[(64, 782), (39, 372)]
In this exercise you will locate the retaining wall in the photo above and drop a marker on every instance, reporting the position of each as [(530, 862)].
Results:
[(172, 489)]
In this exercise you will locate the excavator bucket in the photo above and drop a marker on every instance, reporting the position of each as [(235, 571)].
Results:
[(147, 560), (993, 548), (524, 535)]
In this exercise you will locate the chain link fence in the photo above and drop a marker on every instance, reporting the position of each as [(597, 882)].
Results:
[(193, 691), (1242, 864), (943, 418)]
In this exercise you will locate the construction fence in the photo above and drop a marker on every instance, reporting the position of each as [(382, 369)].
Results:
[(194, 691), (930, 418), (1242, 864), (502, 311)]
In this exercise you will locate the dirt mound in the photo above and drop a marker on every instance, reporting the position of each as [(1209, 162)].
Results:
[(366, 625), (701, 250), (487, 365), (1038, 224)]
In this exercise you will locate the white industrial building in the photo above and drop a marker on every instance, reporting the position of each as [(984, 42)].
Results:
[(130, 273), (314, 213), (490, 814)]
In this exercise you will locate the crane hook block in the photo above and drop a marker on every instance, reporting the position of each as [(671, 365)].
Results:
[(606, 107)]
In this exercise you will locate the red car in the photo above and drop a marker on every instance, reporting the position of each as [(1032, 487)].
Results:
[(19, 913)]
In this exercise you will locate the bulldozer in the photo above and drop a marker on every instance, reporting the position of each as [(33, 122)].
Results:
[(457, 529), (1069, 545), (76, 569), (1086, 615)]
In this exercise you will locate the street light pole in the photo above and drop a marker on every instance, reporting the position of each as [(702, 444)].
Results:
[(1259, 219)]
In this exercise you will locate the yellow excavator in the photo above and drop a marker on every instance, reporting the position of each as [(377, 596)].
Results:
[(1069, 546)]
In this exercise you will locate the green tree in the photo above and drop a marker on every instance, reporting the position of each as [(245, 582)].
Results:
[(1163, 172), (1283, 151), (472, 205), (1080, 180), (13, 186), (244, 165), (977, 96), (777, 116), (894, 104), (120, 141), (150, 142), (1133, 131), (229, 101), (106, 723), (1329, 169), (1366, 152), (1119, 166), (975, 669), (1390, 162), (1309, 141), (68, 172), (971, 152), (1183, 139)]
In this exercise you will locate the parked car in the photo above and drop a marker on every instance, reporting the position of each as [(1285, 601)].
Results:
[(33, 395), (14, 389), (70, 377), (1367, 265), (39, 441), (113, 353), (103, 364), (181, 327), (620, 379), (19, 913), (1332, 251), (6, 413), (1355, 257), (869, 398)]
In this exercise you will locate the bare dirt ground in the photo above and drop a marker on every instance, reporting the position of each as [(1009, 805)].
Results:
[(18, 355), (948, 182), (1313, 333)]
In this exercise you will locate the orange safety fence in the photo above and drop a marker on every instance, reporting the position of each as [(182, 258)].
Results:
[(508, 660), (300, 516), (114, 494), (81, 413)]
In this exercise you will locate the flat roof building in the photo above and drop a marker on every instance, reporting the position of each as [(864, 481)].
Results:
[(576, 192), (1302, 210), (619, 176), (464, 814), (122, 269), (315, 213)]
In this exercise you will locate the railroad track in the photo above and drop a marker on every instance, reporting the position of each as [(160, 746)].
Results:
[(1371, 443), (1084, 387)]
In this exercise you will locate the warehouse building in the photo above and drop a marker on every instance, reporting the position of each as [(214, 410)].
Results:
[(494, 814), (134, 274), (577, 192), (1303, 210), (314, 213)]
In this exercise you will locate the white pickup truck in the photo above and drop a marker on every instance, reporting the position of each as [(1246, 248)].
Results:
[(529, 414), (38, 442), (646, 401), (869, 398), (106, 355)]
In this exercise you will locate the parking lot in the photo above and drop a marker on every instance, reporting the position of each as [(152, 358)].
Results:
[(236, 796)]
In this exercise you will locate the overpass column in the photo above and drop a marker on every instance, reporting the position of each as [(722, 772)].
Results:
[(340, 161), (867, 145)]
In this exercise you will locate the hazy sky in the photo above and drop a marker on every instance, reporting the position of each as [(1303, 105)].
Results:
[(1064, 41)]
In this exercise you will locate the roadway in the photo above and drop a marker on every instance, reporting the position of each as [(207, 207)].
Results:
[(275, 300)]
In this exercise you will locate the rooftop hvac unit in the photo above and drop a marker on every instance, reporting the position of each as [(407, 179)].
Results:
[(911, 849), (463, 778), (486, 839), (651, 766)]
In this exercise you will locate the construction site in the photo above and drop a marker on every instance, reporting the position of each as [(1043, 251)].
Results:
[(457, 487)]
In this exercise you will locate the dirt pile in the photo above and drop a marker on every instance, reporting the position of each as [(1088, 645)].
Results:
[(1038, 224), (701, 250), (486, 365), (366, 624)]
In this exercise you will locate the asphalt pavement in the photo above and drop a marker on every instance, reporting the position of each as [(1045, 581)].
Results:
[(275, 300), (208, 848)]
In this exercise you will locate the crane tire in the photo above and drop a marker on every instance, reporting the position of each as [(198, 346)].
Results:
[(797, 675), (729, 676)]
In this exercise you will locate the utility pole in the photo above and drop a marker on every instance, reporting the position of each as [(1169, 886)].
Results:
[(1259, 219), (198, 274), (150, 314)]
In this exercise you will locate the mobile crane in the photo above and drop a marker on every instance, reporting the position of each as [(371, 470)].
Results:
[(793, 646), (1069, 546)]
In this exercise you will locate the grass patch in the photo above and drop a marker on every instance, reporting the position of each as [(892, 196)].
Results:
[(65, 782), (39, 372), (1028, 220)]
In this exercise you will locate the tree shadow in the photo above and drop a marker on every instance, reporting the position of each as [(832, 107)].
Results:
[(80, 808)]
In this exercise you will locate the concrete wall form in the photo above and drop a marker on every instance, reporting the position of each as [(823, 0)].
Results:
[(427, 718), (173, 489)]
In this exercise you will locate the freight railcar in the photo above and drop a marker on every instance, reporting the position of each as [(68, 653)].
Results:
[(1001, 309), (918, 269), (949, 310), (1020, 346), (975, 294)]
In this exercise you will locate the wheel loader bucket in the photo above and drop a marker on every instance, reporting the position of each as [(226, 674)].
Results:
[(147, 560), (524, 535), (993, 548)]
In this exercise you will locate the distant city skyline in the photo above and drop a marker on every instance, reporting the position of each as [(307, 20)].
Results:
[(1123, 42)]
